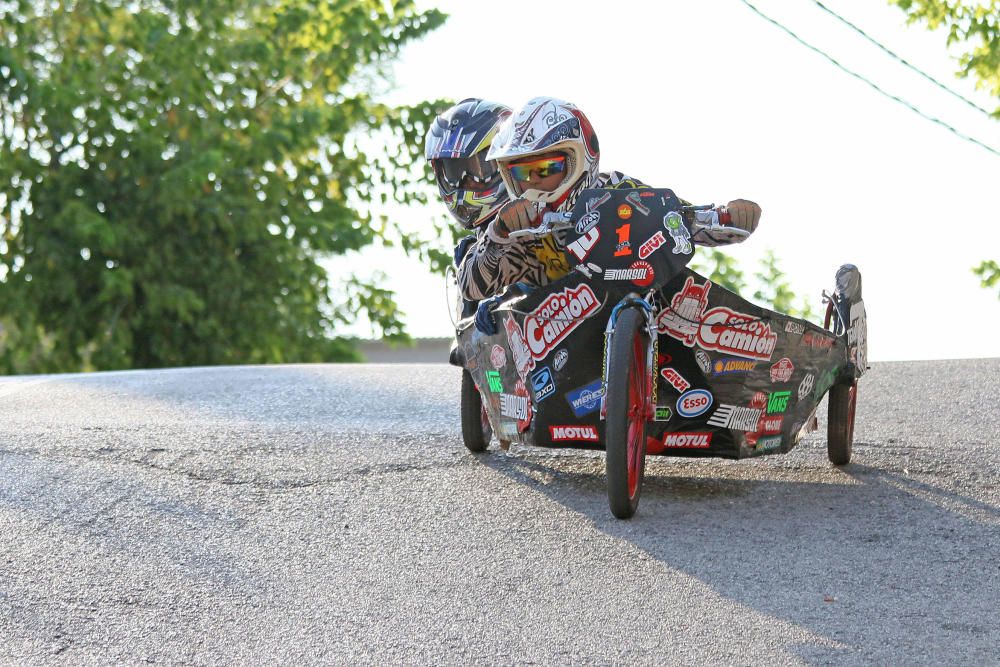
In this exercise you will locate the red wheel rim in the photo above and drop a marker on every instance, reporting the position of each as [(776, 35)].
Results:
[(484, 419), (637, 398), (852, 402)]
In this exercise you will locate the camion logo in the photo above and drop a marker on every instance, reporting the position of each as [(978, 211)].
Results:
[(737, 334), (687, 440), (559, 433), (557, 317)]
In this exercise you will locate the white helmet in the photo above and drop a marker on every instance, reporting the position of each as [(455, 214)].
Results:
[(544, 125)]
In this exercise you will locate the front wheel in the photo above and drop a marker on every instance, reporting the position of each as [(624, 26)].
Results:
[(840, 423), (476, 430), (628, 392)]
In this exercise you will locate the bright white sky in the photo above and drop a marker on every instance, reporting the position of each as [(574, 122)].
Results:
[(713, 101)]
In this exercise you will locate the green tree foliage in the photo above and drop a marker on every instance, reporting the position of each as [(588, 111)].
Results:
[(989, 274), (975, 26), (773, 289), (171, 172), (720, 268)]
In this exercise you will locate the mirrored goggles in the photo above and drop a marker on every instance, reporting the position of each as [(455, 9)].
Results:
[(521, 171), (465, 173)]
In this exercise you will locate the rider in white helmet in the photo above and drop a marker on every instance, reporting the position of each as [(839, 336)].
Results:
[(547, 154)]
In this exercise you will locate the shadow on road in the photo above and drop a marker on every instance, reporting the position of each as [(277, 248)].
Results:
[(876, 561)]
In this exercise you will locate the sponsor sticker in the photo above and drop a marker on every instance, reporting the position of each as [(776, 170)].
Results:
[(663, 413), (730, 365), (635, 199), (768, 443), (498, 357), (716, 329), (687, 440), (674, 224), (694, 403), (562, 433), (586, 399), (623, 248), (640, 272), (817, 340), (794, 328), (542, 384), (654, 243), (806, 386), (736, 417), (675, 379), (782, 370), (514, 406), (518, 348), (704, 361), (562, 356), (493, 378), (624, 211), (777, 402), (587, 222), (581, 247), (556, 318), (770, 424)]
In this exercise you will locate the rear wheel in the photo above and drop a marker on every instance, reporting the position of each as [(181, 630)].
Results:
[(628, 393), (840, 425), (476, 430)]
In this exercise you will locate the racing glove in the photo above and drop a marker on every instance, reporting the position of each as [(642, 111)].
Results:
[(743, 214), (515, 215), (484, 315)]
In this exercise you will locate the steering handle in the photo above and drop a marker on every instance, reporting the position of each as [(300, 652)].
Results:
[(552, 221)]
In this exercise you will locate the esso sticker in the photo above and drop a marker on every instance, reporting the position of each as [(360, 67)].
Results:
[(694, 403)]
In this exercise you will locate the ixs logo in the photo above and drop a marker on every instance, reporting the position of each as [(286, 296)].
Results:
[(675, 379), (518, 348), (563, 433), (687, 440), (736, 417), (704, 362), (694, 403), (556, 318), (640, 273), (816, 340), (782, 370), (729, 366), (587, 222), (654, 243)]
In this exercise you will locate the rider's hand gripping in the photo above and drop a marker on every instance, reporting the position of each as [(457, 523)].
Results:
[(743, 214), (484, 315), (514, 216)]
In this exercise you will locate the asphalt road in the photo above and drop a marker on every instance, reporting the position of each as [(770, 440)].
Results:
[(330, 514)]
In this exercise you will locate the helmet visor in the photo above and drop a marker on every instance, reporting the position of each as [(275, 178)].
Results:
[(467, 173)]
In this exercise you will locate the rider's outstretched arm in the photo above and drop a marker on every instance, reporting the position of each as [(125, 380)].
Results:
[(488, 266)]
